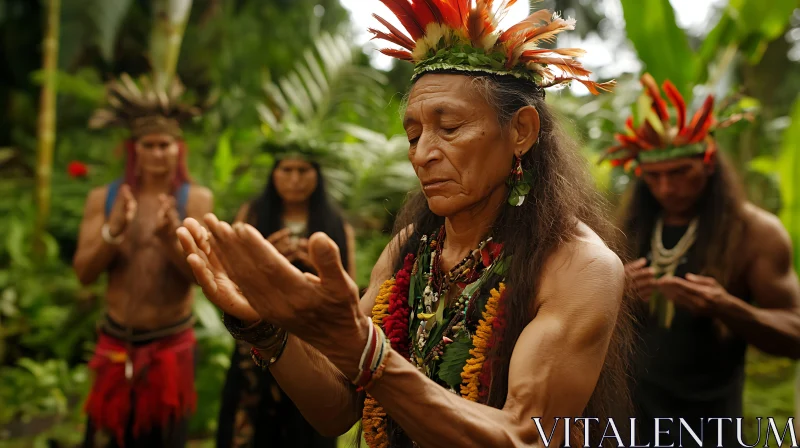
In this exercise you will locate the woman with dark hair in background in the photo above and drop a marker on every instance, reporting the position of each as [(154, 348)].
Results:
[(255, 411)]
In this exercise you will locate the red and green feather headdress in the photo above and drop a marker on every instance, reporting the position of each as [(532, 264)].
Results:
[(457, 35), (652, 134)]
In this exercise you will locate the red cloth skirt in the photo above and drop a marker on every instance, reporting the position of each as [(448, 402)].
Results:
[(160, 389)]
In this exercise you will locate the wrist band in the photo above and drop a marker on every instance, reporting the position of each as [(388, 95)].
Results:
[(253, 334), (373, 358), (110, 239), (258, 355)]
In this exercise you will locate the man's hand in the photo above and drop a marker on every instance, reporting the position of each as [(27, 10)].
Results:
[(700, 295), (640, 278), (167, 218), (122, 212)]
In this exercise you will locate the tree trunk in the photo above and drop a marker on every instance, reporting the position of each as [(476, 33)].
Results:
[(46, 127), (169, 23)]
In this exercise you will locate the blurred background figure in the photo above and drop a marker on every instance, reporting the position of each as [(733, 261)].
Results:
[(143, 392), (294, 205), (714, 272)]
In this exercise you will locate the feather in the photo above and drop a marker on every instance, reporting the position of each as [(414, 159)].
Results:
[(701, 122), (479, 22), (391, 38), (399, 54), (678, 103), (594, 87), (513, 44), (633, 142), (130, 84), (424, 13), (629, 126), (659, 105), (548, 32), (533, 20), (433, 7), (405, 14), (569, 66), (456, 17), (568, 52)]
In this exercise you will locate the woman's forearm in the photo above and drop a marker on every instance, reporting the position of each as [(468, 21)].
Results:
[(319, 390)]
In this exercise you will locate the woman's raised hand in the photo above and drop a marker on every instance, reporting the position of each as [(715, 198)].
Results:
[(210, 274), (241, 265)]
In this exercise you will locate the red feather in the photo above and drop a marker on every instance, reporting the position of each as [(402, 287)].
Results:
[(462, 7), (569, 66), (399, 54), (701, 122), (452, 15), (633, 142), (407, 43), (629, 124), (390, 38), (511, 46), (594, 87), (548, 32), (659, 105), (678, 103), (479, 22), (404, 12), (532, 21), (568, 52), (425, 12)]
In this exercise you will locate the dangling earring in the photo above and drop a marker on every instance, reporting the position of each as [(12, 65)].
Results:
[(519, 182)]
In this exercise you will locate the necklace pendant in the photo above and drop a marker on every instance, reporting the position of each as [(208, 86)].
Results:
[(428, 296)]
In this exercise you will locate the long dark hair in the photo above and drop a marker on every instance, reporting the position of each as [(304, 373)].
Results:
[(562, 192), (266, 211), (720, 227)]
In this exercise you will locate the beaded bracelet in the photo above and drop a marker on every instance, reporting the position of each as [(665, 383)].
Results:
[(253, 334), (373, 358), (264, 364)]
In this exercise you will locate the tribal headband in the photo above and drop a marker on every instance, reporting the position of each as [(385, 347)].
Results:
[(463, 35), (653, 135), (144, 110)]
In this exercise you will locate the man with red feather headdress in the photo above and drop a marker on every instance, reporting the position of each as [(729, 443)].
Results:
[(714, 271), (143, 391)]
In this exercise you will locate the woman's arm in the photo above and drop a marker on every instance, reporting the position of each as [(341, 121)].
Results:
[(323, 394)]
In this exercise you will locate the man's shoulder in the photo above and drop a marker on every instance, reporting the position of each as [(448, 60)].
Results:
[(760, 220), (98, 194), (200, 192), (765, 231)]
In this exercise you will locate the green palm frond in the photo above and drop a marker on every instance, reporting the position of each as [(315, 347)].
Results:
[(383, 175), (323, 91)]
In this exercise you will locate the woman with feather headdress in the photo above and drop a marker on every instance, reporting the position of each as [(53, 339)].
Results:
[(143, 391), (498, 307)]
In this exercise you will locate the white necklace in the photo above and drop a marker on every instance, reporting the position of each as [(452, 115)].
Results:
[(666, 261)]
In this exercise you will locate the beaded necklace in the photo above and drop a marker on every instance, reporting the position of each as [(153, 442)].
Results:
[(441, 331), (448, 342)]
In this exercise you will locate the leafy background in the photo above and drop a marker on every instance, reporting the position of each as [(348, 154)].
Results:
[(229, 52)]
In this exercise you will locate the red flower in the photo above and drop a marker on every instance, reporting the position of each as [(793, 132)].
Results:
[(77, 169)]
